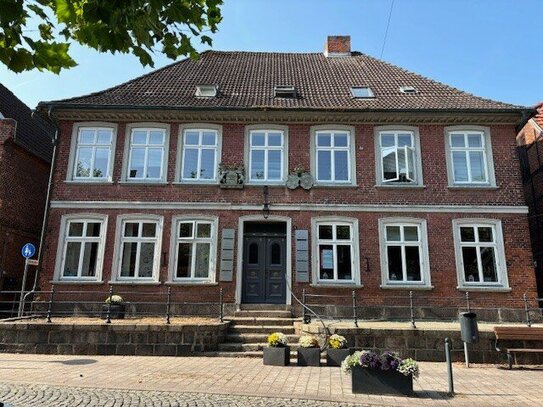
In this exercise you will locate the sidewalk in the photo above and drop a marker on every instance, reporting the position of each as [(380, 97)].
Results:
[(480, 385)]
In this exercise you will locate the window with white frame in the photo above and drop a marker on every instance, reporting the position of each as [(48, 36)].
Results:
[(397, 157), (82, 251), (194, 250), (266, 155), (468, 152), (139, 249), (93, 151), (336, 247), (199, 159), (147, 153), (480, 253), (404, 252), (333, 156)]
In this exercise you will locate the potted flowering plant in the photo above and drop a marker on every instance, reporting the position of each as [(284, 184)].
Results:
[(116, 307), (309, 351), (380, 374), (278, 352), (337, 350)]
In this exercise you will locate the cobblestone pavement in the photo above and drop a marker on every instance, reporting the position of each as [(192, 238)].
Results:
[(58, 379)]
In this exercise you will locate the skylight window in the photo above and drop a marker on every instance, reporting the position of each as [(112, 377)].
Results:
[(284, 91), (362, 92), (408, 89), (206, 91)]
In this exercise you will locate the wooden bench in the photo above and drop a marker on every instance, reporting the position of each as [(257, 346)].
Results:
[(517, 333)]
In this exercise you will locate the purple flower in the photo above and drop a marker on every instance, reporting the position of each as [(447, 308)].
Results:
[(390, 361)]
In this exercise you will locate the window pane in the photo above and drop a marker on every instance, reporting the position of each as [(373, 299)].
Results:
[(405, 140), (93, 229), (101, 161), (84, 159), (147, 254), (457, 140), (387, 140), (326, 256), (156, 137), (393, 233), (412, 262), (341, 140), (149, 230), (104, 137), (485, 234), (190, 164), (137, 161), (324, 170), (343, 232), (185, 229), (139, 137), (257, 164), (274, 165), (131, 229), (128, 261), (324, 140), (467, 234), (154, 163), (207, 166), (184, 260), (202, 260), (411, 233), (402, 165), (257, 139), (342, 165), (275, 254), (191, 138), (477, 164), (460, 166), (209, 138), (75, 229), (275, 139), (469, 258), (389, 163), (475, 140), (86, 136), (253, 253), (488, 262), (411, 164), (203, 230), (394, 257), (90, 256), (325, 232), (71, 261), (344, 262)]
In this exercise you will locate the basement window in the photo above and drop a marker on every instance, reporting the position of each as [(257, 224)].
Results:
[(410, 90), (362, 92), (284, 91), (206, 91)]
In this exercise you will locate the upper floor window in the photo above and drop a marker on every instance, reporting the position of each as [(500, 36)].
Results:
[(470, 157), (93, 154), (333, 157), (398, 156), (147, 154), (267, 156), (200, 155)]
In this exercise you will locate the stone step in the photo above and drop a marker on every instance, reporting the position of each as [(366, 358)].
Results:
[(255, 338), (252, 354), (241, 347), (261, 321), (261, 329), (265, 307), (264, 314)]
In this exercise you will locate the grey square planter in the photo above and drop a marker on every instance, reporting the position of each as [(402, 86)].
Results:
[(376, 381), (277, 356), (334, 357), (309, 356), (117, 311)]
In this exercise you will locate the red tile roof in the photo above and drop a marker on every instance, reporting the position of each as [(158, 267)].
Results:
[(246, 81)]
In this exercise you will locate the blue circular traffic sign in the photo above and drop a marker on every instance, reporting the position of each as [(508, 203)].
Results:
[(28, 250)]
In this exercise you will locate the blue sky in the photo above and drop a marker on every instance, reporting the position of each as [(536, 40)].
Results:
[(491, 48)]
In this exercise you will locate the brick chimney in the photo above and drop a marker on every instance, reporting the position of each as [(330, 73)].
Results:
[(7, 129), (338, 46)]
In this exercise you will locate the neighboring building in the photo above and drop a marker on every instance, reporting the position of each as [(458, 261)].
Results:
[(25, 158), (417, 185), (530, 141)]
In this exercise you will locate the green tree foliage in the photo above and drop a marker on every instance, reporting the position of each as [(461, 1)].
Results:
[(36, 34)]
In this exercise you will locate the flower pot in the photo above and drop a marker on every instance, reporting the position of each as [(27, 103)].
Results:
[(334, 357), (116, 311), (309, 356), (277, 356), (377, 381)]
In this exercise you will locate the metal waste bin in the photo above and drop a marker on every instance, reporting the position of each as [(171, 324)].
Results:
[(468, 327)]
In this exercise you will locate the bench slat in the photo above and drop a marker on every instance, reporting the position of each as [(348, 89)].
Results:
[(525, 350)]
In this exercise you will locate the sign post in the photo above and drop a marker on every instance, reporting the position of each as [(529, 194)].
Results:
[(27, 252)]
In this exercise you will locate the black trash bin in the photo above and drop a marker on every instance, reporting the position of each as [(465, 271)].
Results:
[(468, 327)]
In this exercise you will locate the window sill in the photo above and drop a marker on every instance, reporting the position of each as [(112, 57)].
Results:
[(122, 282), (493, 289), (81, 182), (190, 283), (407, 287), (468, 187), (76, 282), (336, 185), (143, 182), (281, 184), (332, 285), (399, 186)]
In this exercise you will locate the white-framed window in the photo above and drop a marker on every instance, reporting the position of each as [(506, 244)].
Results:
[(81, 247), (200, 155), (147, 154), (404, 252), (469, 156), (398, 158), (194, 247), (480, 253), (335, 251), (267, 155), (139, 248)]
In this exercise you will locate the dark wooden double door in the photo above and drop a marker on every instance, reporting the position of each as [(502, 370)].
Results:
[(264, 268)]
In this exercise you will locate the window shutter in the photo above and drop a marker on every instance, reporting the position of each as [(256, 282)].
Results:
[(227, 254), (302, 256)]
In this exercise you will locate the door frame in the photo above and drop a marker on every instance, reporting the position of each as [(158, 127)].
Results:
[(239, 266)]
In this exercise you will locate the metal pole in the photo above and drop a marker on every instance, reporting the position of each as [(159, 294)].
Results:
[(527, 310), (108, 315), (412, 308), (168, 305), (21, 297), (355, 316), (467, 301), (221, 299), (304, 314), (449, 366), (50, 306)]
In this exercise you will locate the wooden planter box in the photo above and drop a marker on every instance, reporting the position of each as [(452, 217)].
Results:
[(277, 356), (376, 381), (334, 357), (309, 356), (116, 311)]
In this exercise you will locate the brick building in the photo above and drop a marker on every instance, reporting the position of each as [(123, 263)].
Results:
[(25, 157), (257, 171)]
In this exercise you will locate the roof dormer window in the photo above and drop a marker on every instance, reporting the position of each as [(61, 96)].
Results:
[(362, 92), (206, 91), (410, 90), (284, 91)]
